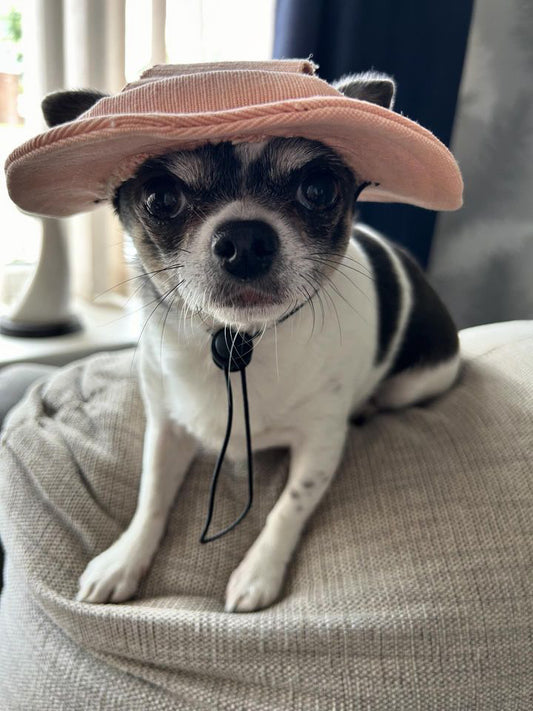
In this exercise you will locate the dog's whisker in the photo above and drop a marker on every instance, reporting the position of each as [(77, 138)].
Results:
[(315, 285), (276, 353), (334, 307), (144, 275), (160, 301), (339, 266), (172, 301), (341, 296), (262, 332), (362, 291), (132, 312), (363, 270), (309, 300), (317, 279)]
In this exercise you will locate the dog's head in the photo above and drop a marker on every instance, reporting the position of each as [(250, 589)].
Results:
[(244, 233), (249, 231)]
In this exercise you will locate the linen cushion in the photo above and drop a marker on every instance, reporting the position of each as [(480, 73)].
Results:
[(411, 588)]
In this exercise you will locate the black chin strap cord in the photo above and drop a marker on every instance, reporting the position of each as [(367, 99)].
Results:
[(231, 352)]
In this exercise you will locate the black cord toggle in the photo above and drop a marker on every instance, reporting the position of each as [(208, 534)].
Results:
[(231, 352)]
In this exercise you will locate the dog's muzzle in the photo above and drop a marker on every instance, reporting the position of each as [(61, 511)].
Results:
[(245, 248)]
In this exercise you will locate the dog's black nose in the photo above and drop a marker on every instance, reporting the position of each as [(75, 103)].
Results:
[(245, 248)]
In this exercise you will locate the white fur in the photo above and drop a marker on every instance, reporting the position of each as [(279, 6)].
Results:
[(307, 375), (416, 385)]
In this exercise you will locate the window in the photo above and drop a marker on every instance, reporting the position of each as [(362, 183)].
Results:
[(21, 234), (109, 43)]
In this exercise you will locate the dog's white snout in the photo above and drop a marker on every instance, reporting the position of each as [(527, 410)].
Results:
[(245, 248)]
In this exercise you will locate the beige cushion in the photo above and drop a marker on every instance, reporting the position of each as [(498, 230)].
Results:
[(411, 588)]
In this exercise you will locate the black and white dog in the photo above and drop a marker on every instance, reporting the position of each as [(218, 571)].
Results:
[(243, 235)]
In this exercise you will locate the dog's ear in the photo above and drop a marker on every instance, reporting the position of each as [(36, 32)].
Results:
[(63, 106), (375, 87)]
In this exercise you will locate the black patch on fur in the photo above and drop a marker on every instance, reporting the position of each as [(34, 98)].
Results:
[(388, 290), (63, 106), (431, 335), (221, 184), (224, 178), (270, 183), (220, 175)]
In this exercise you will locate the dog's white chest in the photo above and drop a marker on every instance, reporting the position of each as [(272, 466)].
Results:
[(197, 398), (317, 365)]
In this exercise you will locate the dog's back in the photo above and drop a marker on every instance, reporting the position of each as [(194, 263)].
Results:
[(416, 338)]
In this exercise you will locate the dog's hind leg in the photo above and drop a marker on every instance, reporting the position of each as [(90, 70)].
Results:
[(416, 385)]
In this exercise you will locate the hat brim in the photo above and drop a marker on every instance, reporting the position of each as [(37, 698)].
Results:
[(75, 166)]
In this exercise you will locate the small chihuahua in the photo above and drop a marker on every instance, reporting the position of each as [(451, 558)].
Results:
[(259, 237)]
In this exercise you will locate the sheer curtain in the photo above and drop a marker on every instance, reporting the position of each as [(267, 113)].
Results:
[(102, 44), (75, 44), (94, 56), (69, 44)]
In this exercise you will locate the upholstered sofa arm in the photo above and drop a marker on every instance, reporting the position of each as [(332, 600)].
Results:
[(410, 590)]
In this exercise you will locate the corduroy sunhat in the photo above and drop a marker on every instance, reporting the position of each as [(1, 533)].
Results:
[(74, 166)]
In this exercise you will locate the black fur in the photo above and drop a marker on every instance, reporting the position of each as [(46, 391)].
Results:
[(63, 106), (223, 180), (431, 335), (388, 291)]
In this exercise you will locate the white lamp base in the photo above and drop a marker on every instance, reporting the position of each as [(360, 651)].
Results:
[(44, 309), (20, 329)]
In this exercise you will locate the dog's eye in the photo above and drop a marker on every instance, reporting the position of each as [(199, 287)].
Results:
[(318, 191), (163, 198)]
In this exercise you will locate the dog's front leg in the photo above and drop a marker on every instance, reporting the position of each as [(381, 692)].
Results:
[(114, 575), (257, 581)]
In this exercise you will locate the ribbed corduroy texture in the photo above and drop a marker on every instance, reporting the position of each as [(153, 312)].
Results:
[(411, 589), (161, 71), (74, 166)]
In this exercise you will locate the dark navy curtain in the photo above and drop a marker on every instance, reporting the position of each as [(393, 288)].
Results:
[(420, 43)]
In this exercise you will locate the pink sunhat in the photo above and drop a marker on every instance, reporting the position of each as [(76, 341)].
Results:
[(74, 166)]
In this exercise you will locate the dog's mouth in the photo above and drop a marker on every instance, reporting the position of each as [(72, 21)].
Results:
[(245, 304), (248, 297)]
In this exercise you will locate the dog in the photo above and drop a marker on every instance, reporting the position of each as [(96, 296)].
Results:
[(259, 237)]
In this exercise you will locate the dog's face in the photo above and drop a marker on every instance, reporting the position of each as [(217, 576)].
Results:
[(242, 233)]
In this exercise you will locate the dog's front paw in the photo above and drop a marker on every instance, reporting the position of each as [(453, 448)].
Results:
[(114, 575), (255, 584)]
